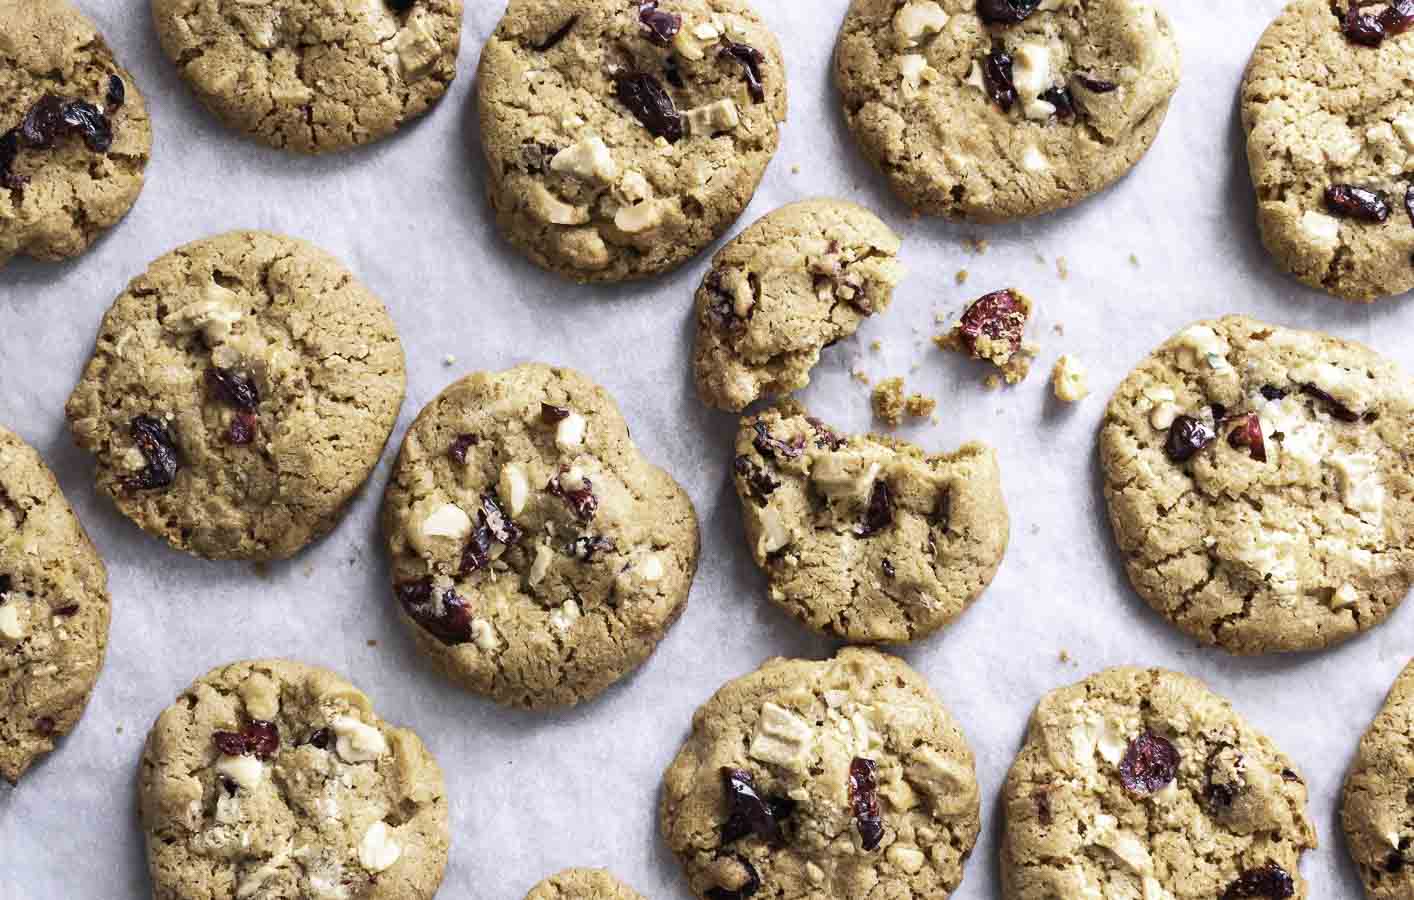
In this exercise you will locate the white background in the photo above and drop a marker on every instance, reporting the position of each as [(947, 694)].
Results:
[(531, 794)]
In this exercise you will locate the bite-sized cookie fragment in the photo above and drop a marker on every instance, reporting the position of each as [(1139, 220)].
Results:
[(993, 110), (839, 778), (53, 610), (796, 281), (1330, 144), (1144, 783), (865, 537), (537, 556), (1069, 379), (992, 329), (313, 75), (1378, 810), (271, 778), (622, 138), (74, 132), (1260, 487), (583, 884), (240, 393)]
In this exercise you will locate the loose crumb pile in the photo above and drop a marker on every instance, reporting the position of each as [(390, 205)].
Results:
[(890, 404)]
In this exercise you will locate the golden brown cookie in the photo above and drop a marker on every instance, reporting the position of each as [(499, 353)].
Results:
[(1377, 810)]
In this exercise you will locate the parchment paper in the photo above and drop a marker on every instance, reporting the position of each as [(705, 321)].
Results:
[(531, 794)]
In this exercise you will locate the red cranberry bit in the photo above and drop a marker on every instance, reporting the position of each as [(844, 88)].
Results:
[(476, 555), (233, 388), (558, 35), (43, 122), (1272, 392), (259, 738), (879, 514), (400, 6), (242, 429), (45, 725), (1064, 103), (1270, 882), (1398, 17), (88, 122), (1351, 202), (1337, 409), (494, 518), (447, 618), (1041, 799), (825, 436), (584, 549), (773, 447), (459, 447), (751, 60), (1249, 435), (9, 150), (553, 415), (157, 447), (747, 811), (759, 483), (1006, 12), (582, 502), (649, 102), (658, 26), (997, 76), (1149, 764), (320, 739), (864, 797), (117, 92), (998, 315), (1186, 437), (6, 585), (889, 571), (1362, 28), (1095, 85), (65, 612), (752, 885)]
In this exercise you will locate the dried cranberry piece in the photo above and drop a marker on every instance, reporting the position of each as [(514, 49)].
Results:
[(721, 311), (1150, 763), (753, 883), (1272, 392), (559, 34), (1398, 17), (320, 739), (459, 447), (581, 502), (1362, 28), (1219, 797), (494, 518), (89, 122), (1006, 12), (889, 571), (999, 316), (759, 483), (242, 429), (258, 738), (1186, 437), (1352, 202), (157, 447), (658, 26), (646, 98), (1270, 881), (880, 512), (400, 6), (71, 609), (1041, 799), (751, 60), (672, 73), (825, 436), (476, 555), (864, 797), (1096, 85), (552, 415), (233, 388), (6, 584), (997, 76), (45, 725), (116, 94), (9, 150), (447, 618), (229, 742), (747, 811), (1061, 99), (585, 548), (43, 123), (1249, 435), (1337, 409), (773, 447)]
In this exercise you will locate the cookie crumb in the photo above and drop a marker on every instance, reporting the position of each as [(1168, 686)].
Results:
[(1068, 379), (118, 730), (449, 360), (1059, 329), (372, 642), (920, 406), (1062, 270), (795, 170), (977, 245), (888, 401), (991, 383), (961, 277), (876, 345), (1134, 260), (991, 329), (860, 376), (1065, 656)]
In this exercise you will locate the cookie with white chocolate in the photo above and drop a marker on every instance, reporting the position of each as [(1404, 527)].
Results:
[(1377, 811)]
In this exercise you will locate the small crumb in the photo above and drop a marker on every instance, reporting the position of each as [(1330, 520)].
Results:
[(940, 318), (261, 569), (309, 571), (888, 401), (1065, 656), (914, 215), (1040, 260), (120, 729), (449, 360), (372, 642), (961, 276), (1068, 379), (1133, 260), (913, 369), (860, 376), (876, 346), (1062, 269), (1059, 329), (795, 170), (992, 382), (935, 420), (977, 245), (919, 406)]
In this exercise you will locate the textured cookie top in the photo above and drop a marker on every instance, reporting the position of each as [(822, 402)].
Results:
[(583, 884), (1260, 486), (276, 779), (972, 114), (863, 537), (536, 554), (1143, 783), (796, 281), (622, 138), (61, 186), (1325, 112), (841, 778), (1378, 810), (53, 610), (313, 75), (240, 392)]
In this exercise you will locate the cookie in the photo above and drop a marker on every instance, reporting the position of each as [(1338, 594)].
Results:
[(74, 132), (240, 393), (622, 138), (53, 610), (583, 884), (1144, 783), (1377, 809), (536, 555), (313, 75), (1260, 487), (994, 110), (795, 282), (271, 778), (841, 778), (1330, 144), (866, 538)]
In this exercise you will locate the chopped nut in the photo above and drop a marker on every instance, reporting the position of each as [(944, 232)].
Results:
[(640, 217), (548, 208), (916, 20)]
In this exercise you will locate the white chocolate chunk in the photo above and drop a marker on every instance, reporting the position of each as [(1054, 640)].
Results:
[(417, 47), (213, 315), (909, 859), (1360, 486), (651, 569), (782, 738), (378, 851), (1323, 230), (1303, 440), (448, 521), (513, 488), (569, 434), (1069, 379), (974, 77), (640, 217), (11, 627), (915, 71), (1344, 596), (1033, 160), (774, 532), (1163, 415), (714, 118), (844, 475), (1404, 127), (572, 479), (357, 742), (1032, 70), (541, 564), (483, 634), (244, 770), (589, 160), (564, 618), (915, 20), (1202, 347), (634, 187), (548, 208)]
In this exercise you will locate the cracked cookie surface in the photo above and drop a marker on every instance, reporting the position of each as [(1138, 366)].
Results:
[(866, 538), (842, 778), (1260, 487), (537, 556), (275, 779), (583, 884), (54, 610), (239, 394), (616, 150), (1377, 811), (1144, 783), (70, 194), (794, 282), (313, 75), (994, 122), (1320, 111)]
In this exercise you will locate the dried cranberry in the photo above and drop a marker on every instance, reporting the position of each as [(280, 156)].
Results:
[(447, 618), (1394, 863), (476, 555), (45, 725), (658, 26), (1249, 435), (879, 514), (552, 415), (559, 34), (759, 483), (6, 584), (753, 883), (1096, 85), (673, 74), (70, 609), (721, 310), (1150, 763), (997, 76), (999, 316), (773, 447), (751, 60), (259, 738), (889, 571), (157, 447), (9, 150), (942, 512), (585, 548), (1337, 409), (1272, 392), (1041, 799), (1061, 99), (747, 811), (825, 436), (400, 6), (1006, 12), (1362, 28), (43, 122), (233, 388), (864, 798), (459, 447), (242, 429), (1186, 437), (320, 739), (89, 122), (117, 92), (1270, 882), (1352, 202), (1219, 797), (1398, 17), (494, 518), (650, 104), (581, 502)]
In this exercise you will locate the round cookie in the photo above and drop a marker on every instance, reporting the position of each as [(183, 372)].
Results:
[(537, 556), (74, 133), (622, 138), (240, 393), (866, 538), (1144, 783), (271, 778), (583, 884), (838, 778), (989, 121), (1377, 812), (54, 610), (1260, 487), (313, 75), (795, 282), (1324, 114)]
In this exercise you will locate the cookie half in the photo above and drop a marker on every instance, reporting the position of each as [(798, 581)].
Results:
[(866, 538), (74, 133), (840, 778), (1260, 484), (622, 138), (1377, 811), (994, 110), (795, 282), (54, 610), (239, 394), (537, 556), (583, 884), (1144, 783), (1330, 143), (313, 75), (271, 778)]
